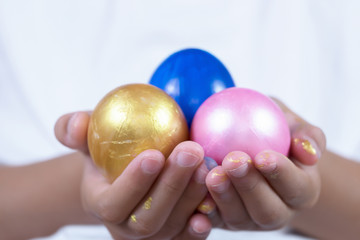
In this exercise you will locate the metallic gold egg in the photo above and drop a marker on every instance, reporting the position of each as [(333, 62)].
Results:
[(129, 120)]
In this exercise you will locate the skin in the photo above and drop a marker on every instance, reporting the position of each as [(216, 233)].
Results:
[(179, 187), (336, 215), (315, 193), (85, 196), (35, 200), (266, 192), (177, 183)]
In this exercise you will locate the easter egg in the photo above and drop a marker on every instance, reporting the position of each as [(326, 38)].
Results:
[(129, 120), (240, 119), (190, 76)]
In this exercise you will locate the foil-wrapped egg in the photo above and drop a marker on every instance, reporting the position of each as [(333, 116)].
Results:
[(129, 120)]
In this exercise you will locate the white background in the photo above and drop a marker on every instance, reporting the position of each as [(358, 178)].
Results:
[(63, 56)]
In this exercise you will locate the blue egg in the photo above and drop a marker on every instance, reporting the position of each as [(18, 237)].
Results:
[(190, 76)]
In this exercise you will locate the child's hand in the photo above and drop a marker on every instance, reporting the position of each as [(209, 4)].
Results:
[(265, 192), (152, 198)]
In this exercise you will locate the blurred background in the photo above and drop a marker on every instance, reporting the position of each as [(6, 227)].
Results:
[(63, 56)]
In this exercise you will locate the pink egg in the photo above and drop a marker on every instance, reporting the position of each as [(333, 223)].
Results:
[(240, 119)]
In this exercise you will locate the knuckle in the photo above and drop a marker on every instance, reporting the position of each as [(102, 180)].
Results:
[(172, 188), (294, 200), (106, 213), (296, 196), (247, 185), (143, 229), (173, 227), (302, 200), (240, 225), (272, 220), (194, 196), (304, 193)]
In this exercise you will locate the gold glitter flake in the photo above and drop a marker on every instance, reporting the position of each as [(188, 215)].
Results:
[(308, 147), (236, 159), (206, 208), (133, 218), (217, 174), (147, 204)]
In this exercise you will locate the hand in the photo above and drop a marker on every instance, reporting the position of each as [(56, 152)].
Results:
[(264, 193), (152, 198)]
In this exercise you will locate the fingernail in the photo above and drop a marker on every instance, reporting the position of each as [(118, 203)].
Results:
[(210, 163), (239, 163), (185, 159), (72, 122), (207, 206), (308, 145), (150, 166), (222, 179), (199, 228), (265, 162)]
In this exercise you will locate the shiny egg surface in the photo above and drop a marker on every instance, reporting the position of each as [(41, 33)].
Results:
[(190, 76), (240, 119), (129, 120)]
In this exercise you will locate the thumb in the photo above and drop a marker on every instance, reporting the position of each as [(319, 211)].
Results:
[(308, 142), (71, 130)]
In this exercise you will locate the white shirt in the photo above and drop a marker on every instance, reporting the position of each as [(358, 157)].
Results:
[(63, 56)]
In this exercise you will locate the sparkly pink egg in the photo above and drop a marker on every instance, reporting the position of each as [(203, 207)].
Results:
[(239, 119)]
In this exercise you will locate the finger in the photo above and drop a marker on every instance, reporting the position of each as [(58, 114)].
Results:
[(292, 118), (297, 188), (263, 205), (186, 205), (114, 202), (71, 130), (308, 143), (198, 228), (194, 193), (207, 205), (216, 220), (168, 189), (228, 202), (286, 110)]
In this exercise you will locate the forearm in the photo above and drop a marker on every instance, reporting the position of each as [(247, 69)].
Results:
[(337, 213), (36, 200)]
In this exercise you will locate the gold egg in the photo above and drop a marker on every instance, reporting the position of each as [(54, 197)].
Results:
[(129, 120)]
